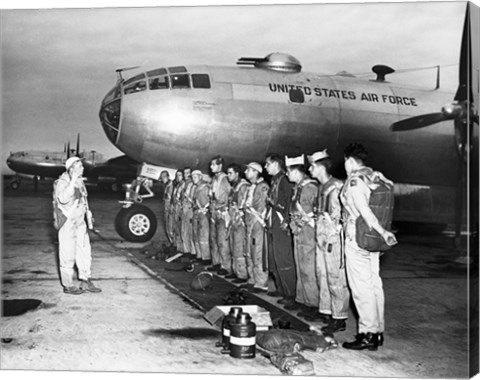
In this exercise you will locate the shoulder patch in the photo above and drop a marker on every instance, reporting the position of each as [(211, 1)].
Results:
[(353, 182)]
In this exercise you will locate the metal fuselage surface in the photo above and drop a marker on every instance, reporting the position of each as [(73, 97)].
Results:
[(247, 112)]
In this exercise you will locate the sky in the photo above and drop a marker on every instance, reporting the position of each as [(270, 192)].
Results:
[(58, 64)]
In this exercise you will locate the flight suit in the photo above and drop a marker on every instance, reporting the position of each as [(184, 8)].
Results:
[(331, 274), (220, 250), (255, 213), (302, 225), (363, 267), (201, 226), (167, 209), (237, 228), (280, 253), (176, 214), (73, 239), (187, 218)]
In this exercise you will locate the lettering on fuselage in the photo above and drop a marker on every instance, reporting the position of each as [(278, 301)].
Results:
[(345, 94)]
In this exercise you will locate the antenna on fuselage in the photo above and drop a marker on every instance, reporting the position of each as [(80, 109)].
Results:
[(119, 72), (382, 71)]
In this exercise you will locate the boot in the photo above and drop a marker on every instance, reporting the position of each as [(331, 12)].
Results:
[(363, 341), (334, 326), (89, 287), (319, 317), (307, 311), (73, 290)]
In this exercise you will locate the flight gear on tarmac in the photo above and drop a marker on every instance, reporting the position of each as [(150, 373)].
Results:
[(220, 250), (201, 281), (255, 211), (280, 258), (331, 273), (283, 346), (237, 229), (302, 226), (293, 364)]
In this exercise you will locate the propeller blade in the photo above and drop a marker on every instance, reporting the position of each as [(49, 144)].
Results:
[(68, 150), (78, 145), (464, 91), (418, 122)]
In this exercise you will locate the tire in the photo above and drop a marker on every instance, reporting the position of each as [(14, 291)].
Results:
[(136, 223)]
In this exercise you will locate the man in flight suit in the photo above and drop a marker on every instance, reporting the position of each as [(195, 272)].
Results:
[(70, 211), (220, 190), (302, 224), (331, 274), (280, 259), (363, 267), (177, 208), (167, 200), (255, 213), (237, 229), (201, 226), (187, 213)]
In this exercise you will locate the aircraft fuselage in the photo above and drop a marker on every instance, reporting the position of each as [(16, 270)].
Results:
[(244, 113)]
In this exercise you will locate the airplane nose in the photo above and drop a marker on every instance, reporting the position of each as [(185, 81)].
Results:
[(110, 113)]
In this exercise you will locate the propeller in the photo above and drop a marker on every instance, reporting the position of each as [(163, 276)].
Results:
[(77, 153), (462, 111)]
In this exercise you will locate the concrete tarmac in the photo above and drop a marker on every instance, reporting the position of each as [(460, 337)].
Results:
[(138, 324)]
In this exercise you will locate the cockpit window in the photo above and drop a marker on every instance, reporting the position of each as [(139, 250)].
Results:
[(134, 79), (177, 69), (158, 83), (135, 84), (200, 81), (180, 81), (156, 72), (135, 87)]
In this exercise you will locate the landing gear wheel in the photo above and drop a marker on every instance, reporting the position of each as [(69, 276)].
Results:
[(136, 223)]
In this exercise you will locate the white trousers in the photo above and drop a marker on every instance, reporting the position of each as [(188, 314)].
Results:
[(74, 249), (363, 272)]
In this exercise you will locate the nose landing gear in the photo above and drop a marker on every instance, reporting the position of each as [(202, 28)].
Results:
[(136, 222)]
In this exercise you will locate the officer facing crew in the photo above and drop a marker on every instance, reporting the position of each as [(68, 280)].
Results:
[(70, 211), (201, 223), (363, 266), (331, 274), (302, 225), (255, 212), (237, 231)]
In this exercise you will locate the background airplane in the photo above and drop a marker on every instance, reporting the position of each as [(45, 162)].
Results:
[(184, 115), (39, 165)]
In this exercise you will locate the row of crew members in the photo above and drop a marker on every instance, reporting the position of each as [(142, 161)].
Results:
[(290, 229)]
